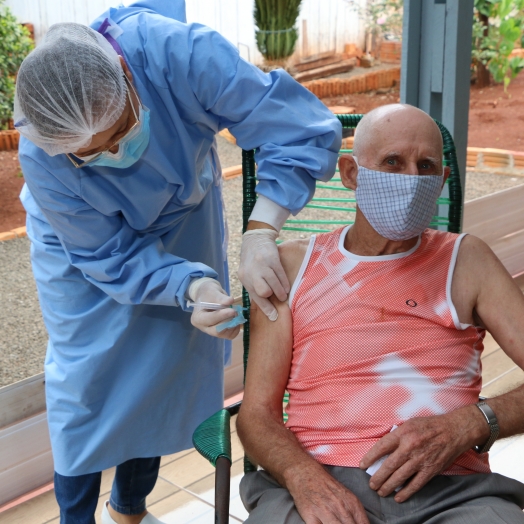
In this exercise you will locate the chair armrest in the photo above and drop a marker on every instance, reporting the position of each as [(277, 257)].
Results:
[(212, 438)]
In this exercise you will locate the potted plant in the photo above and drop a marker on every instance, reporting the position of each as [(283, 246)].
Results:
[(276, 34), (15, 44)]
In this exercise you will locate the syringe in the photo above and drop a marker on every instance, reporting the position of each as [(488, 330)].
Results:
[(207, 305)]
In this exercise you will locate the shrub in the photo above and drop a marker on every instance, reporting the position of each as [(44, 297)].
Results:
[(498, 26), (15, 44)]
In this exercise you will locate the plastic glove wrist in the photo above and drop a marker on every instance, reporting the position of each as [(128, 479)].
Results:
[(196, 284), (268, 234), (269, 212)]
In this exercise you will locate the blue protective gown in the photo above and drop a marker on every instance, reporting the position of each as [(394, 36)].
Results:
[(113, 250)]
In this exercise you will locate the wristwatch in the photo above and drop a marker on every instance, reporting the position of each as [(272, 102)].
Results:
[(491, 419)]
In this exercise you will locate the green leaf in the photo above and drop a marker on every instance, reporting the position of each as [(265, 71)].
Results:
[(505, 8), (15, 44), (505, 30)]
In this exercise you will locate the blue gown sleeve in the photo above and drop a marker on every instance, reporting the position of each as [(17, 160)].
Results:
[(130, 267), (296, 137)]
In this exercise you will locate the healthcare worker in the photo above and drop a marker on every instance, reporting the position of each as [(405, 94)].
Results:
[(126, 222)]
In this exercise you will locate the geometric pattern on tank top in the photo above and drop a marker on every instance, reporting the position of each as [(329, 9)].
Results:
[(377, 341)]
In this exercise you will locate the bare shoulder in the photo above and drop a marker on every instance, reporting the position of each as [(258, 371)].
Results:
[(476, 264), (292, 253), (479, 277), (475, 255), (471, 243)]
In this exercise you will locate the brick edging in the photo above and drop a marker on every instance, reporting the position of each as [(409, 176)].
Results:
[(370, 81), (18, 232), (9, 139), (503, 160)]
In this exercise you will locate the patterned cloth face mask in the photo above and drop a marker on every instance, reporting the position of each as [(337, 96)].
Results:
[(397, 206)]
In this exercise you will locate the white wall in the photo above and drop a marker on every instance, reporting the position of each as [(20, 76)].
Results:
[(44, 13), (330, 23)]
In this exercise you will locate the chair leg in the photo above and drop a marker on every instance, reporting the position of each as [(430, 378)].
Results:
[(222, 489)]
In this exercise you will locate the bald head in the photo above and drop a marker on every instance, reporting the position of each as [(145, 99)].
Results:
[(396, 138), (396, 128)]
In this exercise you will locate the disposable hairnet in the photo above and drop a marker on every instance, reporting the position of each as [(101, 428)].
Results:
[(68, 89)]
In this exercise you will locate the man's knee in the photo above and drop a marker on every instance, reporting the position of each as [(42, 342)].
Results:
[(266, 501), (487, 510)]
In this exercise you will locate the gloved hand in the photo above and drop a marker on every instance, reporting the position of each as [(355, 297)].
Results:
[(260, 269), (209, 290)]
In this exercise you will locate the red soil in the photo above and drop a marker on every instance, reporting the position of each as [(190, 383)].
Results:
[(12, 213), (496, 118)]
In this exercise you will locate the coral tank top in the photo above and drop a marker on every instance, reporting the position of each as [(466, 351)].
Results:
[(377, 341)]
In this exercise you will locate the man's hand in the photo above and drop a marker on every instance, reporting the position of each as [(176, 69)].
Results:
[(261, 271), (320, 499), (421, 448)]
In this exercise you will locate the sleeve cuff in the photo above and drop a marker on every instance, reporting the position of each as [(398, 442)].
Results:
[(271, 213)]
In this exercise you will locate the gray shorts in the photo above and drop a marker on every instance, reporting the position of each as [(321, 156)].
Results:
[(445, 499)]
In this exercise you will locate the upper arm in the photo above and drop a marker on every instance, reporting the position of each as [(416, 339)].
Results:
[(292, 253), (269, 362), (271, 343), (484, 283)]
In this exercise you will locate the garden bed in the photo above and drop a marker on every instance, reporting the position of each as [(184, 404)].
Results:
[(496, 118)]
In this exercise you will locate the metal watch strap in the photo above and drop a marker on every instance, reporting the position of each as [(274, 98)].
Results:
[(491, 419)]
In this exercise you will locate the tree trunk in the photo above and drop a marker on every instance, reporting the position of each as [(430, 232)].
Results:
[(483, 75)]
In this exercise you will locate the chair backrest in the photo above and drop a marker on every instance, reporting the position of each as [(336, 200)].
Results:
[(334, 205)]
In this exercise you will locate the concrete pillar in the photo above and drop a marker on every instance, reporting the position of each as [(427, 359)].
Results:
[(436, 57)]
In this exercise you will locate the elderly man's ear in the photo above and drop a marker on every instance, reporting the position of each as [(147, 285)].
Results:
[(447, 172), (348, 171)]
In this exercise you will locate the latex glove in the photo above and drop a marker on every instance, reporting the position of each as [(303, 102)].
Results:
[(260, 269), (209, 290)]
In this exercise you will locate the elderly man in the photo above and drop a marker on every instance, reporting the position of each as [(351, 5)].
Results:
[(379, 348)]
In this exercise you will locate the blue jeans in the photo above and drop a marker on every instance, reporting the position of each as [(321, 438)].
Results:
[(78, 496)]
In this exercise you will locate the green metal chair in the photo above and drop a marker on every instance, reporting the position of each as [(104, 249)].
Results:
[(212, 438)]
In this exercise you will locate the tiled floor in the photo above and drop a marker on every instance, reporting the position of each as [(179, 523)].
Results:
[(184, 493)]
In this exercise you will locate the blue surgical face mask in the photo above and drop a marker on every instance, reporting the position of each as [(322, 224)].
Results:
[(130, 148), (397, 206)]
